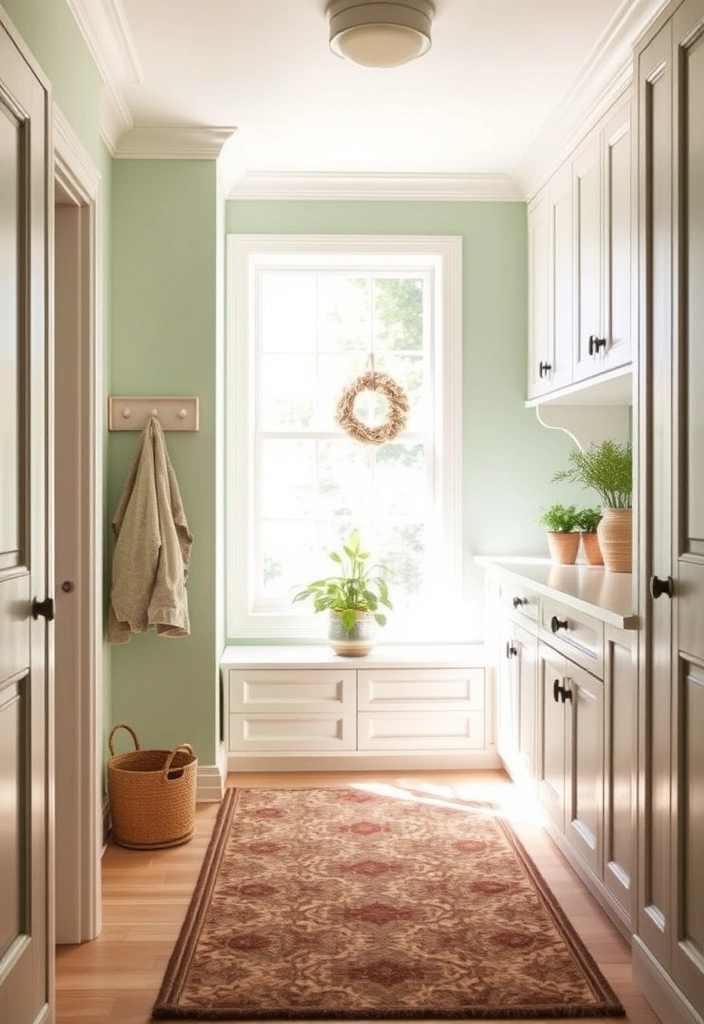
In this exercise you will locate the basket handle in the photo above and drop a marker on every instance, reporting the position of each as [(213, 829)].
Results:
[(167, 767), (130, 730)]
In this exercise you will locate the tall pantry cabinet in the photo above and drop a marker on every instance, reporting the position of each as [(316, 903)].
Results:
[(669, 944)]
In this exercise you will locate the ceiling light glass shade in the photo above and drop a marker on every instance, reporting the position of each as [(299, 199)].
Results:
[(380, 33)]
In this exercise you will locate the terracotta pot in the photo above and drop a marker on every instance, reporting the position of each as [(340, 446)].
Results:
[(563, 547), (355, 642), (615, 532), (592, 549)]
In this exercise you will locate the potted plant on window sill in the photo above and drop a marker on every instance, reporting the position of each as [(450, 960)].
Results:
[(608, 469), (352, 599), (560, 521)]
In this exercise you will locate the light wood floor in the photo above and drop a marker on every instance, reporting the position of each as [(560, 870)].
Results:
[(115, 979)]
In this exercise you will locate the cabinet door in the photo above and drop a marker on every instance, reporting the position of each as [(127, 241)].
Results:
[(562, 282), (687, 540), (507, 668), (527, 666), (655, 331), (586, 182), (540, 357), (551, 734), (618, 240), (584, 763), (620, 758)]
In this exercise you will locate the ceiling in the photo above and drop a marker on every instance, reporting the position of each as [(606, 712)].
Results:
[(498, 73)]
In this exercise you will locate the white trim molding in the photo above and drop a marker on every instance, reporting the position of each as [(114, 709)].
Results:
[(79, 712), (384, 187), (604, 76), (173, 142), (210, 779)]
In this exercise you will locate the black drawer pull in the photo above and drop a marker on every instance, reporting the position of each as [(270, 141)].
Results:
[(556, 624), (518, 602), (658, 587)]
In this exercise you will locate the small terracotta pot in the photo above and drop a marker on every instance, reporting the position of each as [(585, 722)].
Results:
[(615, 532), (592, 549), (563, 547)]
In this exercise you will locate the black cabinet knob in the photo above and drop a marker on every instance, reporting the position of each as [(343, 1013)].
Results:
[(556, 691), (511, 649), (658, 587), (565, 694), (518, 602), (45, 608), (544, 369), (556, 624), (596, 343)]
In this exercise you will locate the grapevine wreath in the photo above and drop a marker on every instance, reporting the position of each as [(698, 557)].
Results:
[(397, 414)]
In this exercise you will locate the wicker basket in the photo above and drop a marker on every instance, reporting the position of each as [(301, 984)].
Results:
[(152, 795)]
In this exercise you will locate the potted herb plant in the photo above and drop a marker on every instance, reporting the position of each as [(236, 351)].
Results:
[(588, 520), (608, 469), (560, 521), (353, 599)]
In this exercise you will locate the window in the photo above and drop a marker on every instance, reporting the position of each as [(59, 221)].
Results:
[(307, 316)]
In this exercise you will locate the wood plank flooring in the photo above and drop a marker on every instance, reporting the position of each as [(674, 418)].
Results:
[(115, 979)]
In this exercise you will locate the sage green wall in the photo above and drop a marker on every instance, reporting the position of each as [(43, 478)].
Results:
[(164, 341), (50, 32), (508, 457)]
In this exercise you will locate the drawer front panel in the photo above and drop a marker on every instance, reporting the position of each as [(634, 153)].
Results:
[(522, 604), (306, 732), (284, 690), (420, 689), (576, 635), (460, 730)]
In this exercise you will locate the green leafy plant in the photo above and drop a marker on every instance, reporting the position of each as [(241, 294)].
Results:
[(559, 518), (607, 468), (588, 519), (358, 588)]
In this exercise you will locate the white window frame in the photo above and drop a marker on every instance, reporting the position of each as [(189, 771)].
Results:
[(245, 254)]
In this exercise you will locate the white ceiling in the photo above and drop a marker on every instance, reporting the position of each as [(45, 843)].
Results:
[(496, 74)]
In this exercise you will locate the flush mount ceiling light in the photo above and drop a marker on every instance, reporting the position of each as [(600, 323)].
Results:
[(380, 33)]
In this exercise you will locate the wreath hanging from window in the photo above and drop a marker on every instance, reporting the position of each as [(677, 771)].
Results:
[(397, 408)]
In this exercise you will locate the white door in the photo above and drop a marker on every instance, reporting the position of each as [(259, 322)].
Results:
[(25, 641)]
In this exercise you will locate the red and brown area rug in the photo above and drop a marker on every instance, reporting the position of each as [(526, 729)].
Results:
[(345, 904)]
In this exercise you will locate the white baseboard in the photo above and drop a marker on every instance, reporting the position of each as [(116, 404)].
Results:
[(258, 761), (210, 779), (670, 1004)]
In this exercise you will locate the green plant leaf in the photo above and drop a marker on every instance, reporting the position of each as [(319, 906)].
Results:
[(348, 618)]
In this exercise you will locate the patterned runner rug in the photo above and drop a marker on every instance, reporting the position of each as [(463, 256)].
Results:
[(344, 904)]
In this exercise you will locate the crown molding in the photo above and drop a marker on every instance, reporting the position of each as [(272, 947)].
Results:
[(384, 187), (172, 142), (104, 27), (605, 75)]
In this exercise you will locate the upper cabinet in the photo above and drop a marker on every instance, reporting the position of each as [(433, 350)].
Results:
[(580, 229)]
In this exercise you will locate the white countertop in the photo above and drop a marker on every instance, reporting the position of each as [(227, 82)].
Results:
[(589, 588), (382, 656)]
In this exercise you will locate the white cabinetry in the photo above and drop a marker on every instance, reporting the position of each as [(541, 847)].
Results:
[(580, 229), (291, 705), (566, 711)]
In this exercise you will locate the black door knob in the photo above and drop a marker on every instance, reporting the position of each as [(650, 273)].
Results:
[(556, 691), (556, 624), (45, 608), (658, 587)]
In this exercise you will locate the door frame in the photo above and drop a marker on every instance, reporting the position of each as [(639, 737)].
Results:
[(79, 714)]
